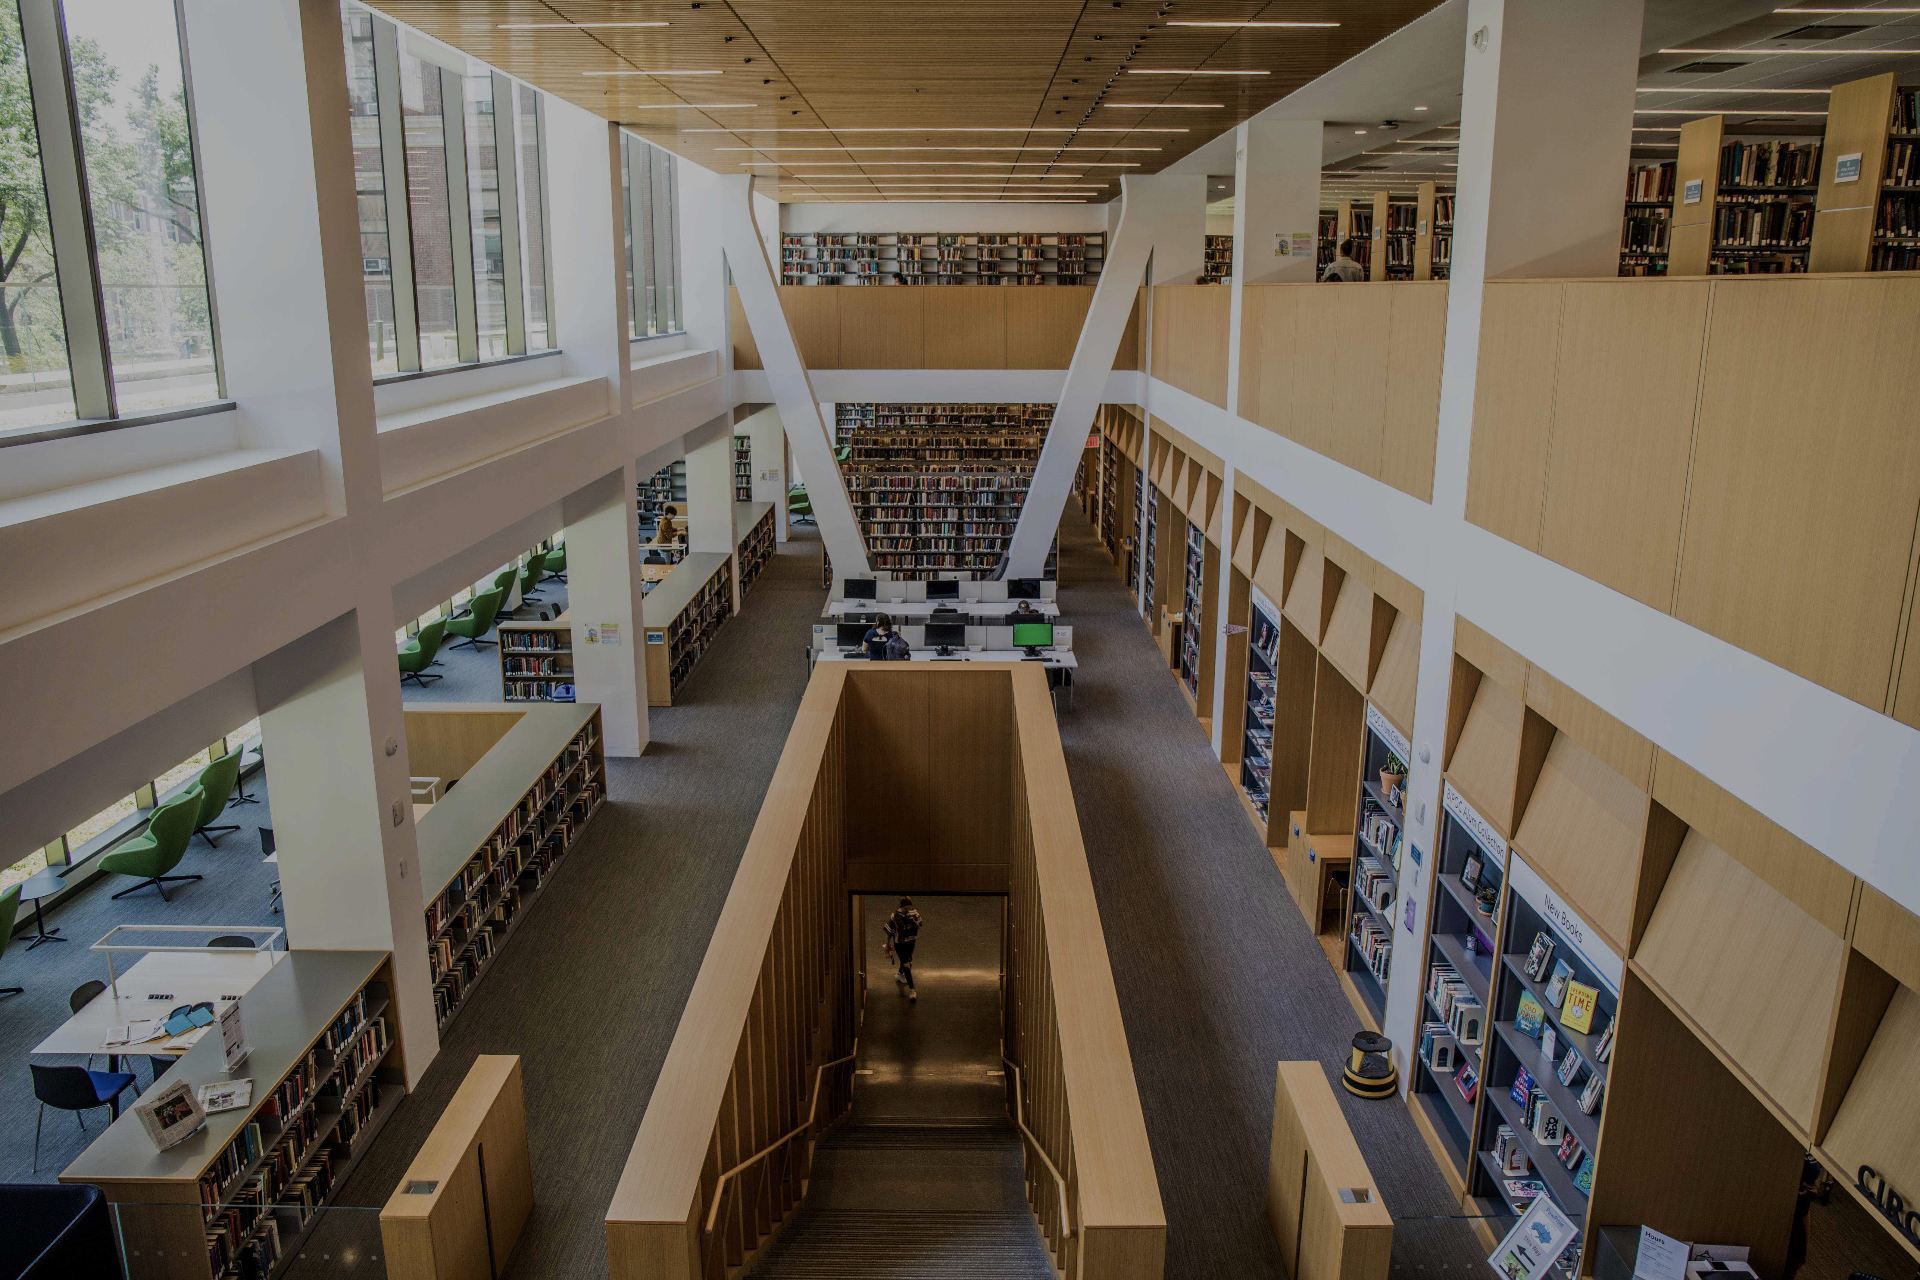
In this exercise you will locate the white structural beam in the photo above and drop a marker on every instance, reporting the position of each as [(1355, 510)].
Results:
[(1160, 214), (806, 426)]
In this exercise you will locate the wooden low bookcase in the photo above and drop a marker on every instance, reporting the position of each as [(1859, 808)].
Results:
[(523, 782), (683, 614), (536, 660), (327, 1073), (753, 540)]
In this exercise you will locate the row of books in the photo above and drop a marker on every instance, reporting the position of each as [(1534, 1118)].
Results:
[(1459, 1009), (538, 666), (1769, 164), (1574, 1003), (944, 240), (1647, 182), (1773, 224), (1374, 943), (1903, 165), (541, 690), (1645, 231), (533, 642), (1906, 111), (1550, 1131), (1899, 217)]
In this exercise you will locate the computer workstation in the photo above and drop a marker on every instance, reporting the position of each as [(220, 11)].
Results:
[(912, 599)]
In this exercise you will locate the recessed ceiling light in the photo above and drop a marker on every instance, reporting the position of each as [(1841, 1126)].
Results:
[(1248, 22), (982, 164), (1656, 128), (920, 179), (1805, 9), (1717, 89), (1189, 71), (1419, 108), (780, 150), (690, 106), (574, 26), (1167, 106), (1701, 111), (1359, 130), (1426, 142), (1821, 52), (662, 74), (946, 128)]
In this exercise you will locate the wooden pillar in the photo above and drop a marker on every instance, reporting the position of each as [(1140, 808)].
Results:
[(1377, 255), (1423, 205), (1858, 115), (1696, 189)]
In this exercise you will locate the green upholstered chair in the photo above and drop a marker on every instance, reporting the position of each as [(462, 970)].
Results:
[(152, 855), (9, 909), (478, 619), (557, 561), (416, 655), (530, 575), (216, 783)]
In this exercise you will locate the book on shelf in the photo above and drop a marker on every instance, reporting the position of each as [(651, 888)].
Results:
[(1539, 956), (1570, 1151), (1603, 1047), (1570, 1064), (1467, 1081), (1438, 1048), (1549, 1042), (1529, 1017), (1524, 1191), (1521, 1089), (1577, 1013), (1467, 1017), (1557, 983), (1543, 1121), (1583, 1176), (1592, 1093)]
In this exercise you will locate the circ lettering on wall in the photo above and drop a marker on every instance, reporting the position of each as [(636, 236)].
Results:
[(1893, 1206)]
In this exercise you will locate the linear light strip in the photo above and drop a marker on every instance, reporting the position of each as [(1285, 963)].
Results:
[(691, 106), (1249, 22), (651, 74), (929, 164), (1702, 111), (1167, 106), (936, 177), (575, 26), (1050, 150), (1190, 71), (1698, 89), (947, 128), (1809, 53)]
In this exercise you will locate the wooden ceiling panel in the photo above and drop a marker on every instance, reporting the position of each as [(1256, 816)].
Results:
[(826, 75)]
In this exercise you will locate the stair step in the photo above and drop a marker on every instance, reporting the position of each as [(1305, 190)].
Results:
[(906, 1245)]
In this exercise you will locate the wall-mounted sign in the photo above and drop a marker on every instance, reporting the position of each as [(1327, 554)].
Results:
[(1422, 228), (1904, 1215), (1305, 244), (1847, 168), (1690, 194), (1388, 733), (656, 637), (1478, 827)]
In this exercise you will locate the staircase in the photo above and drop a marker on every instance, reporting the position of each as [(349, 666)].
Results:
[(912, 1201)]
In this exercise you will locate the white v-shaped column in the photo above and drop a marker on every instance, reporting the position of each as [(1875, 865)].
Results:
[(1150, 212), (805, 425)]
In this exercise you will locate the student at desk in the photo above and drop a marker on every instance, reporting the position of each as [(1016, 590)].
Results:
[(883, 643), (1023, 612)]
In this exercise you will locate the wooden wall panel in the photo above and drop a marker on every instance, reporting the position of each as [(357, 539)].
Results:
[(1583, 829), (1616, 479), (1349, 639), (1806, 876), (1190, 339), (1042, 323), (1906, 692), (1394, 683), (1129, 355), (813, 314), (1513, 409), (1416, 341), (1877, 1124), (882, 328), (1270, 358), (1732, 952), (1620, 748), (1857, 115), (1485, 765), (1305, 590), (1889, 935), (1339, 739), (1806, 476), (965, 328), (745, 354)]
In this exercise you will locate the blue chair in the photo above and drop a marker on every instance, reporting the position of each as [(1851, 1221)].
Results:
[(75, 1089)]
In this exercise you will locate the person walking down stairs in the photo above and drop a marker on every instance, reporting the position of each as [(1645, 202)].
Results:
[(903, 933)]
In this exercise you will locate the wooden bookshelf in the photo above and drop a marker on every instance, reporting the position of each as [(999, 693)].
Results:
[(1432, 232), (488, 846), (1400, 238), (1150, 554), (743, 468), (536, 660), (683, 614), (1193, 610), (667, 486), (240, 1196), (1741, 207), (753, 540), (947, 258), (1329, 240), (938, 488), (1376, 863), (1869, 203), (1646, 224), (1217, 266)]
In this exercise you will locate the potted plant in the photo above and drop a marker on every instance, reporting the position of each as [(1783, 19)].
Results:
[(1393, 774)]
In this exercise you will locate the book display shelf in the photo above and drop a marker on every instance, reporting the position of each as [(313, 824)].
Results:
[(478, 890), (906, 258), (1377, 835), (1469, 877), (743, 468), (1402, 227), (1150, 539), (536, 660), (1109, 491), (239, 1196), (683, 614), (1896, 228), (1648, 220), (1549, 1044), (1328, 247), (1218, 263), (1763, 212), (1442, 257), (937, 488), (1360, 227), (753, 539), (1193, 609), (666, 486), (1256, 750), (1133, 545)]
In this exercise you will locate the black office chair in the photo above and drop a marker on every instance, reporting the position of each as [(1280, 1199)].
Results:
[(82, 994), (75, 1089), (233, 940)]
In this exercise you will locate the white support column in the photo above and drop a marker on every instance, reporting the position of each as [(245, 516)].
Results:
[(770, 466), (587, 205), (603, 601), (276, 171), (703, 262), (1276, 216), (806, 427), (710, 492), (1163, 218), (1537, 72)]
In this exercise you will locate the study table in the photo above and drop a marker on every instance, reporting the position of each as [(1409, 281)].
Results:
[(1061, 660), (150, 989), (903, 609)]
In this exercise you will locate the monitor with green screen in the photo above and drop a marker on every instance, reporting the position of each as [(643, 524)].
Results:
[(1032, 635)]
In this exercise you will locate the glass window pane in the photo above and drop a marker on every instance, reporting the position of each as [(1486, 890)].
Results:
[(370, 185), (642, 195), (145, 200), (244, 734), (665, 283), (35, 387), (425, 132), (181, 772), (533, 224), (99, 822), (27, 866), (483, 202)]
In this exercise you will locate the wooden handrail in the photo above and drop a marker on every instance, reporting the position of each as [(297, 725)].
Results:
[(813, 1107), (1020, 1123)]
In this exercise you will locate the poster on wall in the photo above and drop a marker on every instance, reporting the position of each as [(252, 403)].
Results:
[(1535, 1243)]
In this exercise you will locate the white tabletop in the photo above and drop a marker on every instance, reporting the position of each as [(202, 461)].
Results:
[(925, 608), (1055, 658), (183, 977)]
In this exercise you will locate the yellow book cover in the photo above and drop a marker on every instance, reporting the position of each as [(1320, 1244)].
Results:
[(1577, 1013)]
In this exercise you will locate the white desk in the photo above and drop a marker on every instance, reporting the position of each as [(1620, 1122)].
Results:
[(924, 608), (184, 977), (1055, 659)]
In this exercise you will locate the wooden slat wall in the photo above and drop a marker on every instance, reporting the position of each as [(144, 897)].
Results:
[(1352, 374), (1190, 339), (908, 327), (1312, 1160), (1757, 476)]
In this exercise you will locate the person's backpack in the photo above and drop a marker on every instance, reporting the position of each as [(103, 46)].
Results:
[(897, 648)]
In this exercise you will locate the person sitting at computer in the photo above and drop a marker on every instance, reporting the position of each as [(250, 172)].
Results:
[(1024, 611), (883, 643)]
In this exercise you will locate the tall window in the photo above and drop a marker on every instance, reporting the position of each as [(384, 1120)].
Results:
[(138, 149), (460, 274), (652, 238), (35, 388)]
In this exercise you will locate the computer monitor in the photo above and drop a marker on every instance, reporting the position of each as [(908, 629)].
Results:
[(1033, 635), (943, 589), (860, 588), (851, 635), (1023, 588), (946, 634)]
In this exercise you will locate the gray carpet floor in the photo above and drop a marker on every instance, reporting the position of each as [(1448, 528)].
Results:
[(591, 989), (1219, 977)]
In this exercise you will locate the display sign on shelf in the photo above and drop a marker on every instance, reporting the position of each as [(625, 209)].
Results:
[(1535, 1243), (1478, 827), (1384, 728)]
